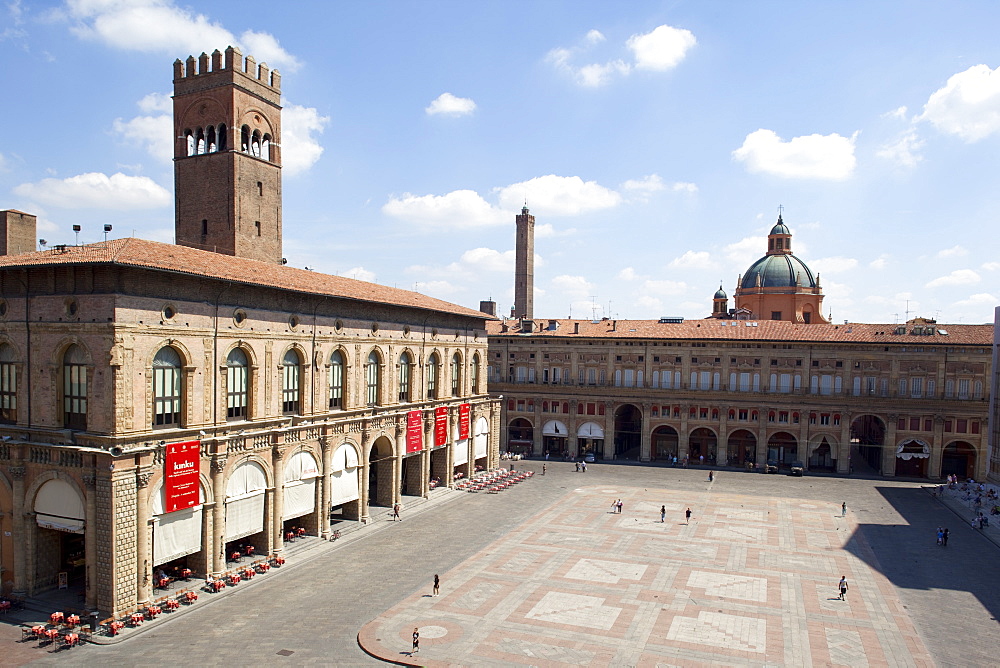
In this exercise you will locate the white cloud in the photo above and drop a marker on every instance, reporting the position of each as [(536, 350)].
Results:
[(159, 26), (833, 265), (457, 209), (693, 260), (647, 184), (300, 149), (682, 187), (881, 262), (954, 251), (440, 289), (661, 49), (558, 195), (359, 273), (627, 274), (574, 286), (814, 156), (741, 253), (98, 191), (991, 266), (156, 102), (153, 133), (546, 231), (899, 113), (980, 299), (487, 259), (957, 277), (904, 151), (449, 105), (968, 105)]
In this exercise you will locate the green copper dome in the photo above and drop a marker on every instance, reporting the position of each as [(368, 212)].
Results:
[(778, 271), (721, 294), (779, 227)]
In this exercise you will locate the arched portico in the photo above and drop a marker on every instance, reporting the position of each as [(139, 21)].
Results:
[(823, 453), (664, 443), (868, 437), (703, 443), (959, 458), (783, 448), (628, 432), (741, 448), (380, 473), (520, 436), (912, 456)]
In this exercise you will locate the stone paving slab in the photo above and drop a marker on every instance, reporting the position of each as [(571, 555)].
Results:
[(750, 581)]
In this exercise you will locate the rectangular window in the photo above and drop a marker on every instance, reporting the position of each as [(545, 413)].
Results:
[(963, 388), (629, 377), (775, 315), (290, 388), (591, 376), (8, 393), (257, 225), (236, 392), (916, 387), (75, 396), (824, 419), (961, 426), (783, 416), (166, 396)]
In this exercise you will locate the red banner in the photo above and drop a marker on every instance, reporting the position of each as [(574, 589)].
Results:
[(414, 431), (440, 426), (182, 467), (464, 417)]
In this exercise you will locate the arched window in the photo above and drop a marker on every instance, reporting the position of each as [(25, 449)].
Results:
[(166, 388), (433, 369), (8, 385), (474, 374), (189, 141), (237, 385), (373, 379), (222, 137), (265, 147), (245, 139), (75, 388), (456, 375), (212, 145), (291, 373), (255, 144), (200, 147), (336, 380), (405, 372)]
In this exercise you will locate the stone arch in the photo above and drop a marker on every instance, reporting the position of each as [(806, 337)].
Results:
[(234, 463), (663, 443), (783, 448), (628, 431), (59, 351), (381, 467), (245, 346), (520, 436), (959, 458), (868, 436), (912, 457), (703, 441), (741, 448), (822, 452)]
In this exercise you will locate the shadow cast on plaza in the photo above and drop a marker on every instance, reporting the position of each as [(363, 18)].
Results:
[(908, 555)]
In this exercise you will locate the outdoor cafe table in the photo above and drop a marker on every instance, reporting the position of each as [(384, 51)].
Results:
[(56, 618), (137, 618), (73, 620)]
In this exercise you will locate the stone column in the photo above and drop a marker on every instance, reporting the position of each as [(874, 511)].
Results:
[(218, 542), (844, 451), (278, 506), (644, 438), (889, 449), (90, 541), (683, 437), (143, 555), (365, 474), (609, 430), (325, 491), (762, 446), (723, 441), (397, 463), (20, 529)]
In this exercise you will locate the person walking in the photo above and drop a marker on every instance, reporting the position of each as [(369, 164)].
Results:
[(701, 460), (577, 467), (842, 586), (687, 516), (619, 506), (843, 509), (583, 467), (543, 469), (663, 514), (395, 513), (944, 538), (416, 641), (437, 585), (711, 476), (614, 505)]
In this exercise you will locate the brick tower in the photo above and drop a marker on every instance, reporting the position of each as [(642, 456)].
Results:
[(227, 156), (524, 266)]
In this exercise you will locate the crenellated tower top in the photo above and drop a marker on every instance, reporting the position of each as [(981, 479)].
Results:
[(232, 66)]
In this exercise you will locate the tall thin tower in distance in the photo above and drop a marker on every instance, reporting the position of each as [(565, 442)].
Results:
[(524, 266)]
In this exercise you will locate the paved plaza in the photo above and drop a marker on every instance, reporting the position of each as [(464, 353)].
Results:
[(545, 574)]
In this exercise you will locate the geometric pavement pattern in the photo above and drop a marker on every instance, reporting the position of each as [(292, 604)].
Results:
[(749, 581)]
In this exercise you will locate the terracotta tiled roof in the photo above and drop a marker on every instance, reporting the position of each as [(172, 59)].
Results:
[(194, 262), (753, 330)]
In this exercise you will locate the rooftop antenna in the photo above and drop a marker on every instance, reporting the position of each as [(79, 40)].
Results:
[(907, 310), (593, 308), (76, 229), (896, 318), (107, 228)]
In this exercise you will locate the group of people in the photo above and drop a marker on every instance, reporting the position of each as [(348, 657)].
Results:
[(580, 466), (942, 536), (616, 506)]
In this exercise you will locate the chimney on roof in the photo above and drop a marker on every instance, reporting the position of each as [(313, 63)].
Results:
[(614, 325), (17, 232), (576, 328)]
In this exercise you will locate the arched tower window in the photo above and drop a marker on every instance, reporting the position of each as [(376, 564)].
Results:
[(265, 147), (8, 385), (75, 388), (237, 385), (189, 141), (212, 145), (336, 380), (222, 137), (166, 388), (291, 379), (456, 375), (433, 370), (373, 379), (255, 144), (200, 148), (405, 374), (474, 374), (245, 139)]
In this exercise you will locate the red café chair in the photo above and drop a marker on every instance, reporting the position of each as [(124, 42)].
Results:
[(234, 578), (172, 604), (186, 573), (162, 583), (190, 597), (72, 620), (51, 634), (301, 532), (4, 606), (56, 618), (249, 550), (116, 626), (137, 618), (289, 536), (71, 639), (248, 573), (235, 556), (263, 567)]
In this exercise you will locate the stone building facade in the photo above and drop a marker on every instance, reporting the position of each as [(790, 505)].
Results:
[(910, 400), (301, 398)]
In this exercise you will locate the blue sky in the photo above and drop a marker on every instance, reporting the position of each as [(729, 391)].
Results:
[(654, 142)]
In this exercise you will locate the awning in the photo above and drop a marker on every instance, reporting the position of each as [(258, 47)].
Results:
[(554, 428), (59, 506), (913, 448), (590, 430)]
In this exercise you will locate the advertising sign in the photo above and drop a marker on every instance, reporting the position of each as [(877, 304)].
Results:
[(464, 416), (182, 467), (440, 426), (414, 431)]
